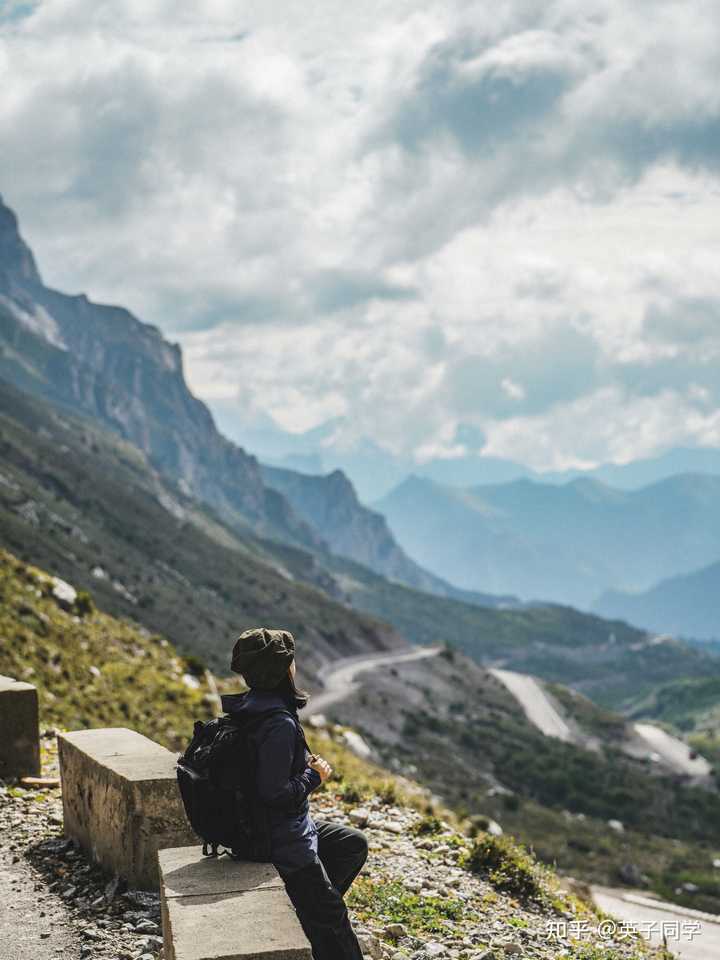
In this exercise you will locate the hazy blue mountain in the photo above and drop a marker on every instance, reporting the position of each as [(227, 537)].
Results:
[(330, 504), (641, 473), (687, 605), (567, 543)]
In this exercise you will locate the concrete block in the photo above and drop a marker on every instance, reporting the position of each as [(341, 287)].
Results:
[(226, 910), (121, 801), (19, 729)]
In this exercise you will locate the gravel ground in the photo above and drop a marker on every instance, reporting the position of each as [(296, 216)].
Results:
[(54, 905), (491, 925)]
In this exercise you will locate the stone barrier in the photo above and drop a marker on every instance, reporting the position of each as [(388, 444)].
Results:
[(121, 801), (19, 730), (223, 909)]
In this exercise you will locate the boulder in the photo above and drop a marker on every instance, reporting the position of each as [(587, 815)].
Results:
[(64, 594), (19, 730), (121, 801)]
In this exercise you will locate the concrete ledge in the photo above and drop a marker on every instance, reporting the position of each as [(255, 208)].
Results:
[(226, 910), (19, 729), (121, 801)]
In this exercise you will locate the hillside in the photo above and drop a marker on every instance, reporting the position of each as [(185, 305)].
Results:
[(685, 704), (565, 543), (613, 662), (687, 605), (453, 727), (85, 663), (85, 666), (427, 890), (426, 882), (83, 503)]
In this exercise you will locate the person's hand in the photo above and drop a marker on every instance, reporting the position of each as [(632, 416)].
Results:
[(322, 767)]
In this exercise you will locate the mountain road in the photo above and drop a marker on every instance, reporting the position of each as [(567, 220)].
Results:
[(339, 677)]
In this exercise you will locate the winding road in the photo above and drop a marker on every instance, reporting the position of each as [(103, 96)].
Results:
[(691, 935), (643, 738), (339, 676), (673, 751), (538, 707)]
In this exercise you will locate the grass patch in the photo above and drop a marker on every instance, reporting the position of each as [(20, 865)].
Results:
[(390, 902), (90, 669)]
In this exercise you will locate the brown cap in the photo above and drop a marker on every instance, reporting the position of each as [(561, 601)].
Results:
[(263, 656)]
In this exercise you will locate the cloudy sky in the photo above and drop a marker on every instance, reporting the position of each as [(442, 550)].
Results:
[(418, 217)]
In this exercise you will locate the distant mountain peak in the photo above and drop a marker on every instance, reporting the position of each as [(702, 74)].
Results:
[(16, 259)]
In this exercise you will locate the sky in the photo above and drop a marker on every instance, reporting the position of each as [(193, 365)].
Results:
[(447, 226)]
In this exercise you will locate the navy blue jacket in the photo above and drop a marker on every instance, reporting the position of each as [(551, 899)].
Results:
[(283, 778)]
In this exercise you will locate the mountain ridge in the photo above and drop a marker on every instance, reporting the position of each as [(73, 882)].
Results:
[(565, 543), (102, 361)]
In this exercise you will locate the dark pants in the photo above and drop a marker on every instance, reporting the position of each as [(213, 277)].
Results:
[(317, 890)]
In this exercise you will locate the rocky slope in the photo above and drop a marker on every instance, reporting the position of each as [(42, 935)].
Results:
[(81, 503), (85, 663), (427, 890)]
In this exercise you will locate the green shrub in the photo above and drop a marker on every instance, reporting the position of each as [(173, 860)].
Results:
[(390, 900), (507, 865), (84, 605), (194, 665), (429, 824), (351, 792), (388, 792)]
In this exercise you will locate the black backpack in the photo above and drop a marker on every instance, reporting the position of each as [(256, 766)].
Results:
[(216, 777)]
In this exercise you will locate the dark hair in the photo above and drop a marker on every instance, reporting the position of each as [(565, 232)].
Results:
[(295, 698)]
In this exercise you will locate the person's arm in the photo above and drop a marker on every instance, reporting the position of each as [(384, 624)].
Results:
[(276, 749)]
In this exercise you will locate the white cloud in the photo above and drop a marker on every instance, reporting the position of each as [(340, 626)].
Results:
[(411, 215)]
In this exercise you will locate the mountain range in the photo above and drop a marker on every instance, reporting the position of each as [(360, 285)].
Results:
[(568, 543), (115, 477)]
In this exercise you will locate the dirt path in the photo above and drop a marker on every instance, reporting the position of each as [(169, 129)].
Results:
[(54, 905), (35, 922), (339, 677)]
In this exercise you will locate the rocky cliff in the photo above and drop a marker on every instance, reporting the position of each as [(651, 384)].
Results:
[(329, 503), (102, 361)]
